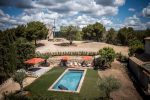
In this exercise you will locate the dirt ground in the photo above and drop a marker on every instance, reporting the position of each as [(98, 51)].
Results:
[(127, 90), (81, 46)]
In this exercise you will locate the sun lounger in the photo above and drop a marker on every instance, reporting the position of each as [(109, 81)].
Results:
[(70, 64), (88, 65), (75, 63)]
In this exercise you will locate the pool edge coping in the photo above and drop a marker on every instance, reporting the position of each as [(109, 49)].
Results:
[(69, 91)]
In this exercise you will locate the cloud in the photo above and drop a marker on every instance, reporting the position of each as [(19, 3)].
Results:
[(148, 24), (135, 23), (110, 2), (131, 9), (146, 11), (50, 2), (18, 3), (1, 13), (93, 7)]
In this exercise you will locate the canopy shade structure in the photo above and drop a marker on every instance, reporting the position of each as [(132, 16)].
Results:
[(34, 61), (65, 58), (87, 57)]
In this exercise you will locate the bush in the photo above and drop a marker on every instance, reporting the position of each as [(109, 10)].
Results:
[(136, 46), (108, 54), (121, 57)]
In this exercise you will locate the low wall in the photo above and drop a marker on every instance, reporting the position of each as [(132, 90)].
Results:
[(141, 77)]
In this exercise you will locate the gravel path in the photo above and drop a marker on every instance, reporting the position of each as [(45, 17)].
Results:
[(81, 46), (127, 90)]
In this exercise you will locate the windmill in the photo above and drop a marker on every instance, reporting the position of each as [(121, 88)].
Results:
[(54, 28), (51, 32)]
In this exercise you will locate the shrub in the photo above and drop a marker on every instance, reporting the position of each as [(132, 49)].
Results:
[(135, 46), (13, 96), (121, 57), (108, 54)]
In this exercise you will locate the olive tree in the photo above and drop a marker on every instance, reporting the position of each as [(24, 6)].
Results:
[(19, 77), (108, 85)]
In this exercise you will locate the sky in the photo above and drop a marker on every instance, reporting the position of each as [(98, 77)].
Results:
[(111, 13)]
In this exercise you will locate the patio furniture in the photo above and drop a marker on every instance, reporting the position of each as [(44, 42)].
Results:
[(88, 65), (75, 64)]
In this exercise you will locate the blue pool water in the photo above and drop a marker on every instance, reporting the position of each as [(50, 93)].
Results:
[(70, 80)]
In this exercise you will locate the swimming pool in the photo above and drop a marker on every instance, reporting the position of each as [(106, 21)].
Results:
[(70, 81)]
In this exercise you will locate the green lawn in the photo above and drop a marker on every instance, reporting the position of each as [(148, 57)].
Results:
[(89, 88)]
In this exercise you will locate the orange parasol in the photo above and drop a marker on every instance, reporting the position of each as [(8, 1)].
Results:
[(34, 61), (65, 57), (86, 57)]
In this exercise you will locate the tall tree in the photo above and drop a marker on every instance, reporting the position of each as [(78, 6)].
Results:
[(94, 31), (25, 50), (70, 32), (111, 36), (125, 35), (19, 31), (35, 30), (8, 55)]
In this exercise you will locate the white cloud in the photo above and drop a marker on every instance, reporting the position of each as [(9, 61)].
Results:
[(146, 11), (1, 13), (148, 24), (110, 2), (131, 9), (135, 23), (75, 12)]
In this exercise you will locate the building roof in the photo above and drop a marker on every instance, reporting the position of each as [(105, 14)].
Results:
[(147, 38)]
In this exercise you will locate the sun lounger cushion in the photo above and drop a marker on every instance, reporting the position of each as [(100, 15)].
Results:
[(62, 87)]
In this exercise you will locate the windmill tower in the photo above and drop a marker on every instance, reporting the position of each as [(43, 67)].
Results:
[(51, 32), (50, 35)]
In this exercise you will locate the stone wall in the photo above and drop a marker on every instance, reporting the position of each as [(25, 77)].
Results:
[(147, 46)]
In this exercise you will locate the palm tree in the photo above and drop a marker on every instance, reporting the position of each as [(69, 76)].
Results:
[(108, 85)]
